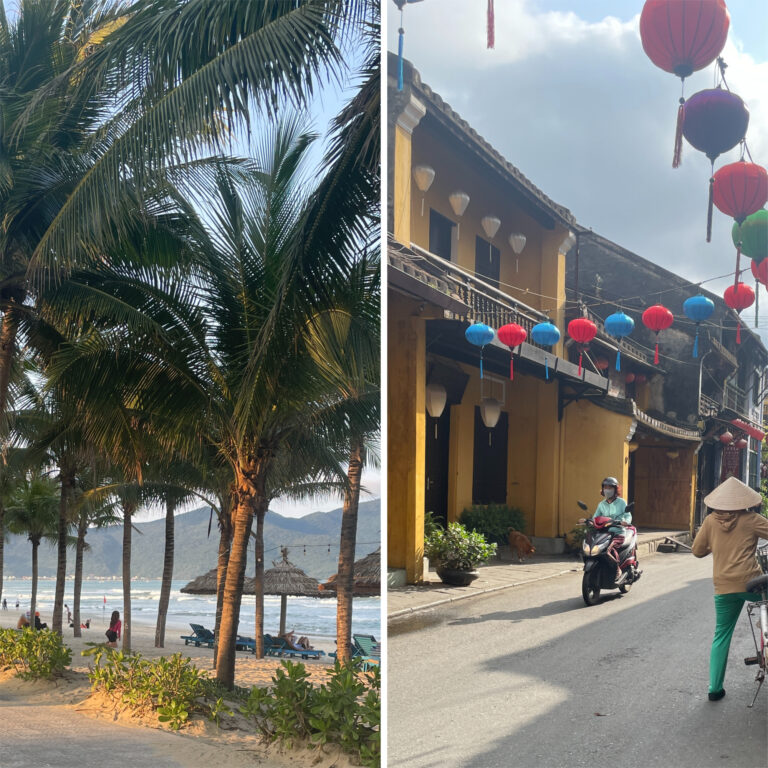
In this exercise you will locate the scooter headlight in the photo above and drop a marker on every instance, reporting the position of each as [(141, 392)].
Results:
[(585, 547), (595, 550)]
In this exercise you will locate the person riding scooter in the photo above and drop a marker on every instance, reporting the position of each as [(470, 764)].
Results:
[(613, 506)]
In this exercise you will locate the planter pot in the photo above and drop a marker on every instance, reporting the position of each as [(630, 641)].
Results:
[(456, 578)]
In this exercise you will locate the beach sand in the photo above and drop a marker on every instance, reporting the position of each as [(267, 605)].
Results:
[(239, 745)]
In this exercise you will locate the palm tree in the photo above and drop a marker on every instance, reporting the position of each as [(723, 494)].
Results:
[(33, 511)]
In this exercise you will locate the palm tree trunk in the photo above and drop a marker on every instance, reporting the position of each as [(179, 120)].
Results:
[(33, 601), (67, 479), (225, 542), (8, 331), (250, 487), (165, 589), (82, 529), (2, 547), (127, 515), (344, 579), (258, 577)]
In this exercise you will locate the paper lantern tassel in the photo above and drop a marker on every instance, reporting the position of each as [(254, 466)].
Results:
[(401, 32), (546, 368), (710, 206), (618, 359), (656, 354), (579, 363), (679, 134), (696, 343), (738, 333), (511, 368), (481, 363)]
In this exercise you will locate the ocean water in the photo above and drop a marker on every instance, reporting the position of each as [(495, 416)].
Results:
[(306, 615)]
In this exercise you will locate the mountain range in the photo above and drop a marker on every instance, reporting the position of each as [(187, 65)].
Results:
[(312, 542)]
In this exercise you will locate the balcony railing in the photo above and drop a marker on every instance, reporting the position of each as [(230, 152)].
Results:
[(734, 399), (708, 407), (484, 302)]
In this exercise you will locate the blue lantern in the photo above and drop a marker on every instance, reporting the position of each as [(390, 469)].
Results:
[(698, 308), (480, 334), (545, 335), (619, 325)]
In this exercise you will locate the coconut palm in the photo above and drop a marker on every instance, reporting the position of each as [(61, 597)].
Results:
[(32, 511)]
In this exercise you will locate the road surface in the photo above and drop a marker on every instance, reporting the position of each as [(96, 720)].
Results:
[(532, 678)]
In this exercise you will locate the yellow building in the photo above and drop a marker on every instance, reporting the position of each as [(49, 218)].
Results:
[(472, 240)]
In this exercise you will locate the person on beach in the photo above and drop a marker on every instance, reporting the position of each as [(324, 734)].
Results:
[(69, 615), (39, 624), (303, 642), (115, 629), (22, 622), (730, 532), (17, 603), (5, 604)]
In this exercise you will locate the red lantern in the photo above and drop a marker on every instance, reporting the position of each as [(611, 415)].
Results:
[(513, 335), (657, 318), (738, 297), (741, 444), (602, 363), (641, 378), (582, 330), (726, 438), (760, 271), (738, 190), (682, 37), (629, 378)]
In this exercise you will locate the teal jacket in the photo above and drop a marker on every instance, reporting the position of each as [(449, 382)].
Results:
[(616, 509)]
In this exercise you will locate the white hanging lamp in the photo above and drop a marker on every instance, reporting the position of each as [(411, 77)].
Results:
[(459, 201), (517, 243), (423, 175)]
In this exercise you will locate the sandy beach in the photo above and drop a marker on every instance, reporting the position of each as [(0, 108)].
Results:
[(195, 745)]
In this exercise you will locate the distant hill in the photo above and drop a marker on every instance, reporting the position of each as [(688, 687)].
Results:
[(308, 539)]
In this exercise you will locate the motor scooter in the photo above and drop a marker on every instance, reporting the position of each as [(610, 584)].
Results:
[(599, 566)]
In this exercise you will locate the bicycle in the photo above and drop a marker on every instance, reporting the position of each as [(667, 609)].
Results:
[(759, 585)]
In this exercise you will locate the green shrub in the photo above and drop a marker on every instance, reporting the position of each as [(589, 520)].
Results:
[(345, 711), (34, 654), (173, 687), (458, 548), (493, 521)]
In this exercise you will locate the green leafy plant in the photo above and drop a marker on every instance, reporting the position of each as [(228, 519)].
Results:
[(458, 548), (430, 524), (174, 713), (493, 521), (217, 709), (344, 711), (575, 538), (34, 654)]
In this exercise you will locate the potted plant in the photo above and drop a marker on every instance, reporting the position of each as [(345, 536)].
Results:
[(456, 552)]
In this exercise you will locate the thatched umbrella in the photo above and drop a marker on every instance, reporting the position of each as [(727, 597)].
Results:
[(366, 576), (202, 585), (286, 579)]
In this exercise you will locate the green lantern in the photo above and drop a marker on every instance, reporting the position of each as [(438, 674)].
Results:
[(754, 235)]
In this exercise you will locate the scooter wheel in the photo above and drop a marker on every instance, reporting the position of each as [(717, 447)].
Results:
[(590, 587), (624, 588)]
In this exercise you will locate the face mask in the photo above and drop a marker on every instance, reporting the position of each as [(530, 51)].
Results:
[(608, 493)]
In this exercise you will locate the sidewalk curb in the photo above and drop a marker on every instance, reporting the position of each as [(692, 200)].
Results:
[(650, 546), (445, 601)]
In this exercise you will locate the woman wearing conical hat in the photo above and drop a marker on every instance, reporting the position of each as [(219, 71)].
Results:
[(730, 533)]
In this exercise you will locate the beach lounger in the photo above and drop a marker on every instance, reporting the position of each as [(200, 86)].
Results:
[(201, 636), (369, 649), (245, 644)]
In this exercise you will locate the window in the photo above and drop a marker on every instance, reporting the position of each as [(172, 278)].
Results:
[(487, 260), (440, 235)]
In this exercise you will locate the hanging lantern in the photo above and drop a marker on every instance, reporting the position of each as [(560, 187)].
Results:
[(401, 33), (726, 438), (657, 318), (436, 397), (753, 233), (739, 190), (683, 37), (459, 201), (715, 120), (490, 226), (741, 443), (545, 335), (513, 335), (582, 330), (517, 241), (760, 271), (619, 325), (738, 297), (423, 175), (698, 309), (602, 363), (629, 378), (479, 334), (490, 410)]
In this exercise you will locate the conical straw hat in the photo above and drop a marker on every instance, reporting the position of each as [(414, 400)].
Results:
[(731, 495)]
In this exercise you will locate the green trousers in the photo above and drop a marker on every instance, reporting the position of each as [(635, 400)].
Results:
[(727, 610)]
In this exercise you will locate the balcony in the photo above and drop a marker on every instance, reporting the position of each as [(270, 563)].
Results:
[(462, 295), (735, 399)]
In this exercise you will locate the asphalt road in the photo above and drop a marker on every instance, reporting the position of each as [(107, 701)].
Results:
[(532, 678)]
